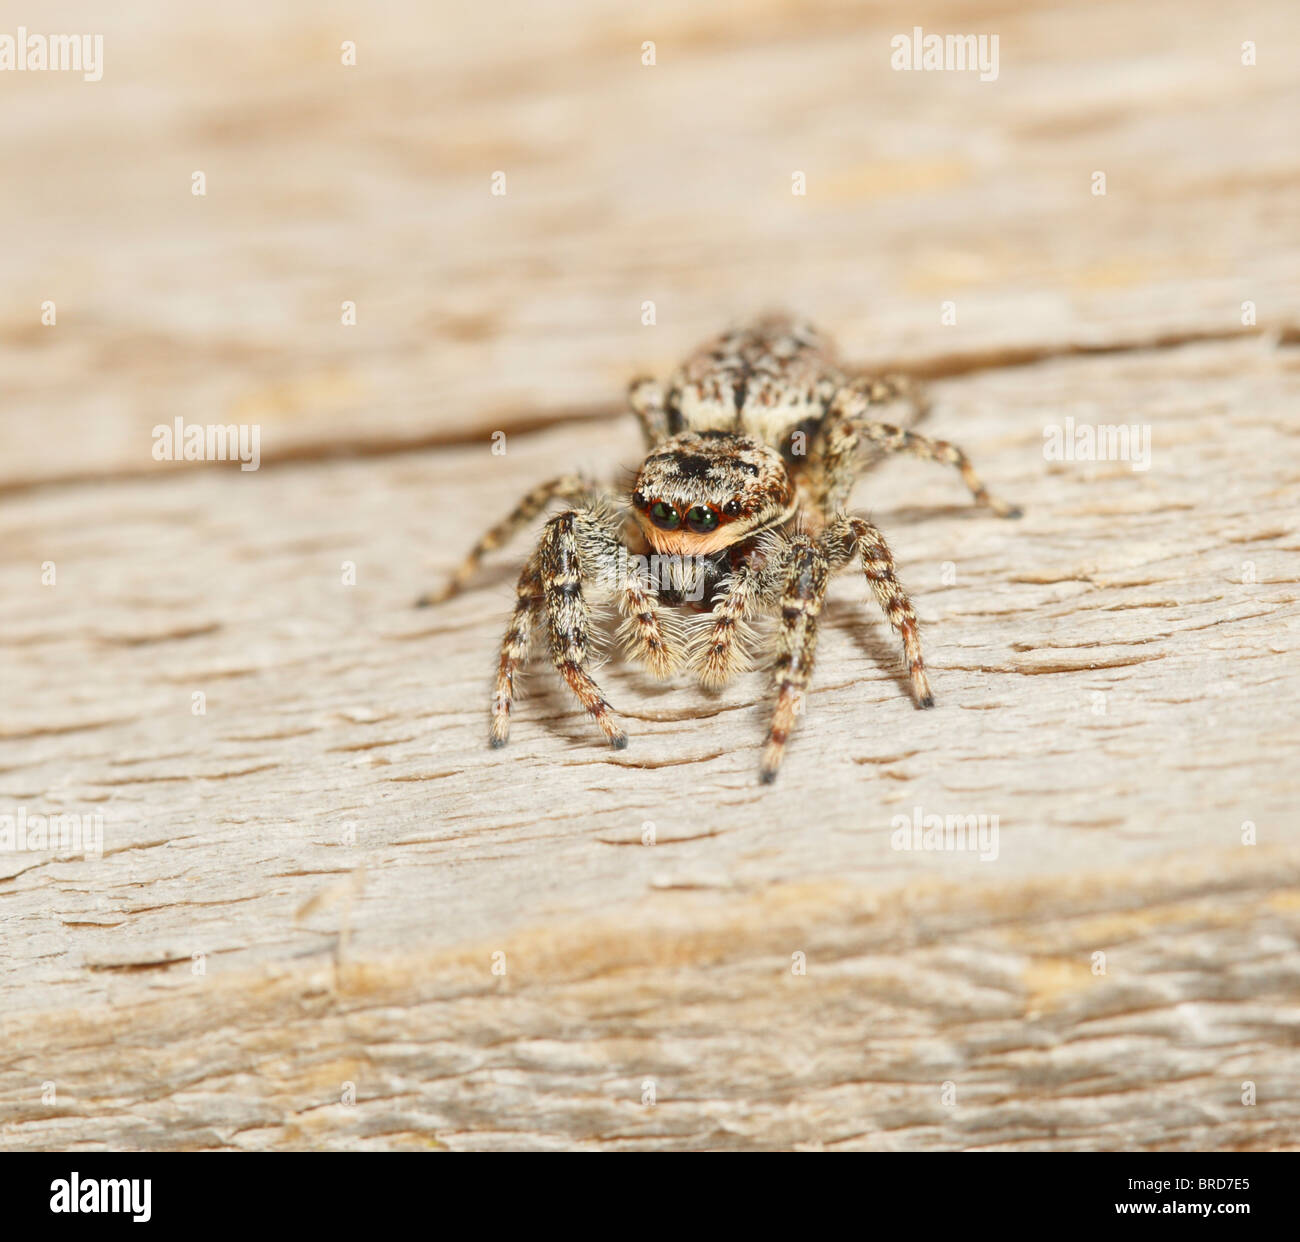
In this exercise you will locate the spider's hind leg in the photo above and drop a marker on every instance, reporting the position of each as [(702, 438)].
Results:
[(646, 397), (847, 427)]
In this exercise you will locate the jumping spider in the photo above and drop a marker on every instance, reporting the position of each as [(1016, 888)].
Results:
[(753, 449)]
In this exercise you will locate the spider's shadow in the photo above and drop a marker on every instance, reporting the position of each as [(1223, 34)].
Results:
[(553, 705), (850, 617), (496, 578), (887, 519)]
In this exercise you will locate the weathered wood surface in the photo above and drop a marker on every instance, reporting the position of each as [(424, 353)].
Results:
[(1116, 673), (330, 706)]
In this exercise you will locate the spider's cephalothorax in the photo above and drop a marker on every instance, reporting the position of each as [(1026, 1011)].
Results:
[(753, 448)]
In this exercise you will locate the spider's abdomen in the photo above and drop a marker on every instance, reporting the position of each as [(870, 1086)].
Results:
[(766, 380)]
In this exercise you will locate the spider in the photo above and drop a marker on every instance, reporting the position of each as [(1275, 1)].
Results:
[(738, 509)]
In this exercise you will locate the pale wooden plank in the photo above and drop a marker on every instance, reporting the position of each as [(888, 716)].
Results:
[(226, 834)]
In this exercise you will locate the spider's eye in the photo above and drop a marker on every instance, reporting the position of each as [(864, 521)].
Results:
[(639, 500), (732, 508), (664, 516), (701, 519)]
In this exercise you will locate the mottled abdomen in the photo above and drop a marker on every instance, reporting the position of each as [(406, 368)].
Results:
[(765, 380)]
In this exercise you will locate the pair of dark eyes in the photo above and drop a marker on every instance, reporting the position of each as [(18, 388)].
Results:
[(699, 518)]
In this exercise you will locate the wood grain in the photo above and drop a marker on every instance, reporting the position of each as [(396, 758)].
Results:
[(291, 936)]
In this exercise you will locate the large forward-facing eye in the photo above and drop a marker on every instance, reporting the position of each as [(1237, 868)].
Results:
[(664, 516), (700, 519)]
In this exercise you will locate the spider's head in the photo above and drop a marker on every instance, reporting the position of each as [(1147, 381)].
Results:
[(702, 491)]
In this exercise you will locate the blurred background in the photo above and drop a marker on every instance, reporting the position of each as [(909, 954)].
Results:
[(626, 182)]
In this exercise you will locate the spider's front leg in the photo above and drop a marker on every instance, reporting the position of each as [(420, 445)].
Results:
[(579, 548), (806, 569), (845, 537), (515, 648), (806, 572)]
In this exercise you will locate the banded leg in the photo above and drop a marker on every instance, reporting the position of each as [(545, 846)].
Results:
[(806, 575), (515, 648), (847, 428), (846, 537), (569, 487), (886, 389), (646, 398), (584, 545)]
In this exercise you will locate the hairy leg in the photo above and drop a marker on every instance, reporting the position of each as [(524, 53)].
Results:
[(848, 428), (846, 537), (515, 648), (568, 487), (561, 564), (887, 389), (806, 573), (585, 547)]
